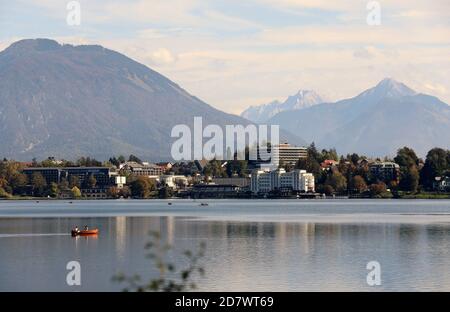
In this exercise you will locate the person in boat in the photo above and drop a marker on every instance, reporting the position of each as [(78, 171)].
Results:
[(76, 229), (86, 228)]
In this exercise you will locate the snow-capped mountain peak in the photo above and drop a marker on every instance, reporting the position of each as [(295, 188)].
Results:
[(302, 99)]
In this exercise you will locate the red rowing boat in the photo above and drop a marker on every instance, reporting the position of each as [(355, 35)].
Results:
[(84, 232)]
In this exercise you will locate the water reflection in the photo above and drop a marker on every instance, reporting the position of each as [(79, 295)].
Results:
[(241, 256)]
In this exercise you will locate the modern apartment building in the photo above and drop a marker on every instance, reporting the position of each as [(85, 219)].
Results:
[(283, 153), (144, 169), (264, 181), (385, 171), (51, 175), (289, 154), (102, 175)]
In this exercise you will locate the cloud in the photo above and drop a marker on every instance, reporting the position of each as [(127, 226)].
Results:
[(332, 35), (162, 56), (234, 54), (315, 4), (438, 88)]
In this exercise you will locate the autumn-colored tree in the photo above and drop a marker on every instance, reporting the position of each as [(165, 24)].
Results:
[(4, 194), (113, 192), (76, 193), (377, 189), (3, 182), (54, 190), (74, 181), (38, 184), (358, 184)]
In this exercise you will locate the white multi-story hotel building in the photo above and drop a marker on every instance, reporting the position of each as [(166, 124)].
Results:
[(283, 153), (289, 154), (263, 181)]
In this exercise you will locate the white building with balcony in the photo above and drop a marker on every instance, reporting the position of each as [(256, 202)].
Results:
[(263, 181)]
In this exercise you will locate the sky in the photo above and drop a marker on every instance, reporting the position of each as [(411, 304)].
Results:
[(237, 53)]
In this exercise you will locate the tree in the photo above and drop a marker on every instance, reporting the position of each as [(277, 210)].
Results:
[(135, 159), (354, 158), (38, 184), (330, 154), (409, 175), (88, 162), (3, 182), (142, 187), (165, 192), (214, 169), (313, 153), (4, 194), (125, 192), (74, 181), (18, 183), (328, 190), (63, 185), (377, 189), (337, 181), (410, 179), (358, 184), (436, 164), (309, 164), (393, 185), (54, 191), (406, 157), (91, 181), (113, 192), (114, 161), (117, 161), (76, 193), (238, 167)]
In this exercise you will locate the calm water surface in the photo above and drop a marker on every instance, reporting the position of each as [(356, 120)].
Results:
[(290, 245)]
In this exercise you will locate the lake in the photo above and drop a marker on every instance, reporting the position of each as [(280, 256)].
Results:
[(251, 245)]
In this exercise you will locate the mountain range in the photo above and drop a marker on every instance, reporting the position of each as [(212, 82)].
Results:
[(376, 122), (262, 113), (69, 101)]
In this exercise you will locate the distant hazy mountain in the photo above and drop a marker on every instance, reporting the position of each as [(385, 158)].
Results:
[(67, 101), (377, 122), (262, 113)]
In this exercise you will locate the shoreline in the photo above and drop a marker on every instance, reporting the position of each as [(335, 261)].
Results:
[(404, 197), (238, 211)]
